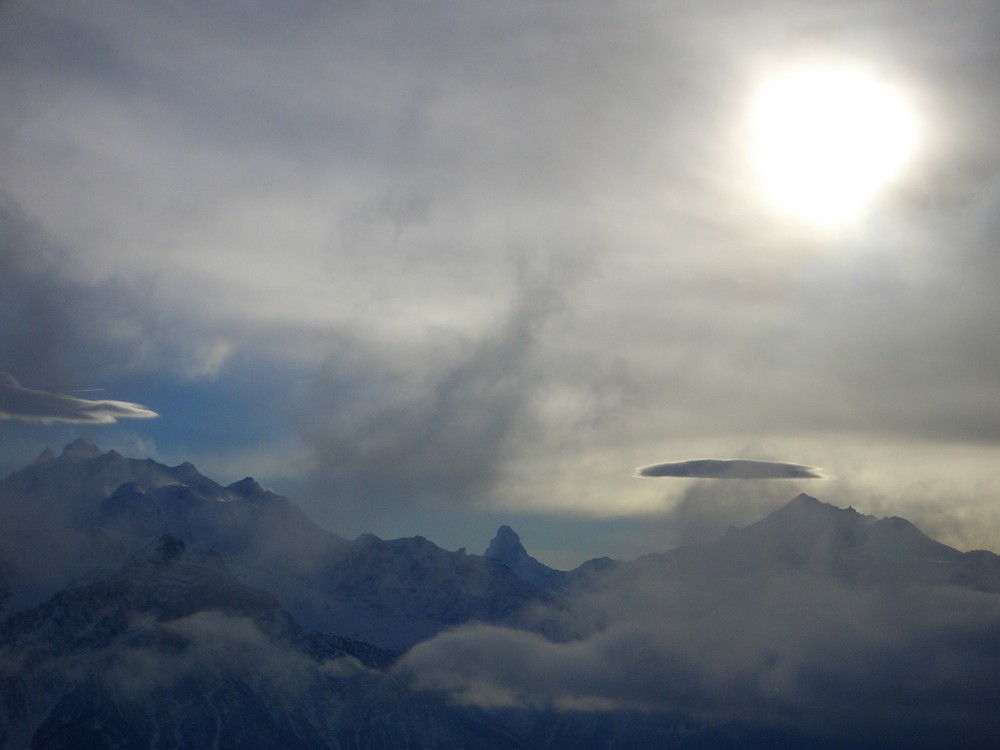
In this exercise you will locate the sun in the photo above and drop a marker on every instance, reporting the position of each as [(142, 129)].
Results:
[(826, 141)]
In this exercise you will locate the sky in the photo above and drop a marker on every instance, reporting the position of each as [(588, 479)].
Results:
[(431, 267)]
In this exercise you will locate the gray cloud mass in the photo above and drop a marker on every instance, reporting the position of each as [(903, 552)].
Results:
[(781, 649), (341, 191), (436, 431)]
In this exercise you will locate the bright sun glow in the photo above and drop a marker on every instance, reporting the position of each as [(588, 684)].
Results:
[(827, 141)]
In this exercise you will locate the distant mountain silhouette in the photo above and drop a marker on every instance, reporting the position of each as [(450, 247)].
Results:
[(147, 605)]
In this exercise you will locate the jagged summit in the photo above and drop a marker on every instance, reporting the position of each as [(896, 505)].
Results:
[(246, 488), (806, 508), (506, 548), (393, 593), (506, 545), (810, 536), (46, 455), (81, 450), (189, 589)]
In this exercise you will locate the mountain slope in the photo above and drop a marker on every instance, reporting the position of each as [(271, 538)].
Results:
[(172, 651), (87, 511), (809, 536), (815, 627), (394, 593)]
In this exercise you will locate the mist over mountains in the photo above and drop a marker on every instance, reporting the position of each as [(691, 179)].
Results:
[(143, 605)]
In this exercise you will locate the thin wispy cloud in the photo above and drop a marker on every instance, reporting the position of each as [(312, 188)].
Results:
[(718, 468), (45, 407)]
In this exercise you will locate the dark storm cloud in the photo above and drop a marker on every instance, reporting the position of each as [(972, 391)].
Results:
[(44, 407), (715, 468)]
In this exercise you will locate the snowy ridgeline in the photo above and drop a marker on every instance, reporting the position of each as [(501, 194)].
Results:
[(148, 606)]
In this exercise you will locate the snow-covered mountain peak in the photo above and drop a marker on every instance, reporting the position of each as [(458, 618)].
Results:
[(82, 476)]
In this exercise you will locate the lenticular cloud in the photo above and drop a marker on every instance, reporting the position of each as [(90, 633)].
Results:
[(715, 468), (45, 407)]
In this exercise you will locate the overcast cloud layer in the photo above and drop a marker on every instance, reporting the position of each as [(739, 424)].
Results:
[(493, 256)]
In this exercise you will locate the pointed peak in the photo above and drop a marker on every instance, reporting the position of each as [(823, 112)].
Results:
[(506, 548), (806, 505), (81, 450), (186, 469), (187, 473), (506, 545), (807, 509), (45, 456), (804, 499), (246, 487), (507, 534)]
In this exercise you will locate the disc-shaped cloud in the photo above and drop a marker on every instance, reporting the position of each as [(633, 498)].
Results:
[(45, 407), (716, 468)]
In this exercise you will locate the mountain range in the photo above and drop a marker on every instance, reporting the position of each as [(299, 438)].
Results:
[(143, 605)]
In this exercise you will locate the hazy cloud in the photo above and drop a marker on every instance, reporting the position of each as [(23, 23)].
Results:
[(715, 468), (436, 430), (706, 509), (784, 649), (29, 405), (61, 325)]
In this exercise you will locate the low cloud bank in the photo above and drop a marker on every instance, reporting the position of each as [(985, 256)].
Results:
[(45, 407), (716, 468), (782, 650)]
